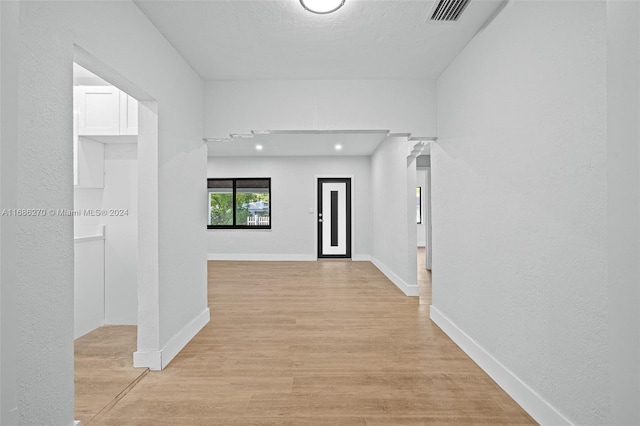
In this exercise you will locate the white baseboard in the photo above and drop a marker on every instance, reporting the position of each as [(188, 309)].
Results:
[(157, 360), (77, 423), (278, 257), (263, 257), (361, 258), (184, 336), (407, 289), (541, 411), (149, 359)]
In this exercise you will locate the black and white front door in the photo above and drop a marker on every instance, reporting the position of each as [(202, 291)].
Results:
[(334, 217)]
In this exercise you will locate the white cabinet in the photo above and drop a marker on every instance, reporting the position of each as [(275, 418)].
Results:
[(106, 111), (102, 114), (128, 115), (98, 110), (88, 155)]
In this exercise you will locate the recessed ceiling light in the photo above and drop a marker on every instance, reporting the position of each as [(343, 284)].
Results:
[(338, 147), (259, 147), (322, 6)]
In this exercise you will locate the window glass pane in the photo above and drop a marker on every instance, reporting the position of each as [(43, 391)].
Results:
[(220, 202), (252, 202)]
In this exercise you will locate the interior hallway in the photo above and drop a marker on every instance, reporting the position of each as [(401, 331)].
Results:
[(315, 343)]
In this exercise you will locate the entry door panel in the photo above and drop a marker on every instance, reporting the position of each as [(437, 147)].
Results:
[(334, 218)]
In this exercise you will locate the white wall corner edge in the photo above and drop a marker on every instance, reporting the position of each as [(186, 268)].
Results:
[(77, 423), (263, 257), (541, 411), (157, 360), (407, 289)]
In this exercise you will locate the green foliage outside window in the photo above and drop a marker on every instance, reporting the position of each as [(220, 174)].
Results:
[(249, 198), (221, 209)]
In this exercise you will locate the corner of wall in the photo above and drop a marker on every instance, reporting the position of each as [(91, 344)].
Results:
[(159, 359), (406, 288)]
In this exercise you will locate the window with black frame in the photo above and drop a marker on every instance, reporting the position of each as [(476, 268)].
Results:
[(239, 203)]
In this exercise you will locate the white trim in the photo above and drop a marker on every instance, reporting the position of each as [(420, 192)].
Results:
[(149, 359), (541, 411), (88, 239), (407, 289), (180, 339), (263, 257), (157, 360), (361, 258), (77, 423)]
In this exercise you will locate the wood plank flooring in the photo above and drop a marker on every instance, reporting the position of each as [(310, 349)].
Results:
[(315, 343), (103, 366)]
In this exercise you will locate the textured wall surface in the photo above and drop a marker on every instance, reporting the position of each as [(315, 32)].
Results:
[(293, 185), (519, 200), (241, 106), (120, 36)]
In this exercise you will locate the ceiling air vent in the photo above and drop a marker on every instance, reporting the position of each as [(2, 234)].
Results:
[(448, 10)]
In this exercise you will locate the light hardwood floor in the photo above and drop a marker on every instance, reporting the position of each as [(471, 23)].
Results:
[(315, 343), (104, 370)]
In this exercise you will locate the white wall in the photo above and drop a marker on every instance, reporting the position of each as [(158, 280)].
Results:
[(121, 234), (151, 70), (393, 181), (120, 252), (9, 19), (429, 226), (88, 285), (519, 196), (623, 196), (293, 202), (407, 106)]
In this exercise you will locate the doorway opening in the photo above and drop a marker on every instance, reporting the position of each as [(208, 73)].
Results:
[(106, 177), (423, 219), (334, 218)]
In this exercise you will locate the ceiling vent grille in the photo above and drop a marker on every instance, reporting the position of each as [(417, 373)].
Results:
[(448, 10)]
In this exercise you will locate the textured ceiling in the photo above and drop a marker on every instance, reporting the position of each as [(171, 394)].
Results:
[(278, 39)]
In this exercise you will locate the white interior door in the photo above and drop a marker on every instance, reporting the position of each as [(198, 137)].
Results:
[(334, 217)]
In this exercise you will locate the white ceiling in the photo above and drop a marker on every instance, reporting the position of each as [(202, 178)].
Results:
[(278, 39), (300, 143)]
